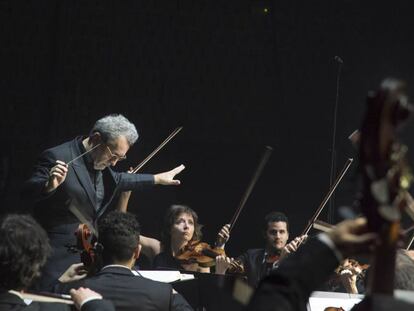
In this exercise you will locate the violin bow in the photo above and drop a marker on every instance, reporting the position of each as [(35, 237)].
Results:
[(322, 226), (411, 243), (412, 237), (256, 175), (44, 297), (171, 136), (74, 208), (328, 196)]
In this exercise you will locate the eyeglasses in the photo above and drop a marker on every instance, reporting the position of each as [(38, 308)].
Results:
[(115, 156)]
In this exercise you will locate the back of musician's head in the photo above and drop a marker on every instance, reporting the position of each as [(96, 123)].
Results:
[(113, 126), (404, 271), (275, 217), (170, 218), (119, 235), (24, 248)]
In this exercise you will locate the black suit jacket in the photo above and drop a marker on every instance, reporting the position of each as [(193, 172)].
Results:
[(11, 302), (52, 210), (254, 267), (288, 288), (130, 292)]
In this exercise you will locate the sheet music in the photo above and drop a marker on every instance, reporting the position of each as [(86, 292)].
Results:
[(165, 276)]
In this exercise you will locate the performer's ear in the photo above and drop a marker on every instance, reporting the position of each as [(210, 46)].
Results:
[(95, 138)]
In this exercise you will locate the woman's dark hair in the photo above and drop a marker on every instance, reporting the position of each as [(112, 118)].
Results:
[(170, 217), (24, 248)]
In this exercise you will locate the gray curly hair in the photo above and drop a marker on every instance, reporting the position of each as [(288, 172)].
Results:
[(115, 125)]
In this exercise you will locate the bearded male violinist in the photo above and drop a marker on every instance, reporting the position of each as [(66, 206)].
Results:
[(257, 263)]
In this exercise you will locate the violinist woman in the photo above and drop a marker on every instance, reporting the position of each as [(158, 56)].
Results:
[(181, 232)]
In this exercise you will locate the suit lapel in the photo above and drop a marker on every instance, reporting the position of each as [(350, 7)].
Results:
[(261, 264), (111, 189), (81, 172)]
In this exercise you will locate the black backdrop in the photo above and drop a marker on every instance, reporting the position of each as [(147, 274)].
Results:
[(238, 75)]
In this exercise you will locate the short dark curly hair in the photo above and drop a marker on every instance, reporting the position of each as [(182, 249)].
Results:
[(170, 217), (274, 217), (24, 248), (119, 235)]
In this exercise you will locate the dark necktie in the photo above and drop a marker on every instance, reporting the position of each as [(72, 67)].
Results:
[(99, 189)]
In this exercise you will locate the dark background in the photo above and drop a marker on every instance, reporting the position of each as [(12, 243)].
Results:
[(238, 75)]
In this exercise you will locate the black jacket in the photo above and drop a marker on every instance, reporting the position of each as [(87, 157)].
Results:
[(288, 288), (254, 266), (128, 291), (52, 210)]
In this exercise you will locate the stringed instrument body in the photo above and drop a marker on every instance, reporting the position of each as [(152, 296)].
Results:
[(385, 178), (200, 253), (90, 250)]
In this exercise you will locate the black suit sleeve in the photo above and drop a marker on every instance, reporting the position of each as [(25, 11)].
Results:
[(33, 187), (244, 258), (126, 181), (64, 288), (289, 286), (178, 303), (98, 305)]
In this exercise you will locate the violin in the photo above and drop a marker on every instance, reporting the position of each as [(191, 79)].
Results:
[(237, 267), (347, 274), (201, 253), (90, 250), (385, 177), (205, 255), (352, 265)]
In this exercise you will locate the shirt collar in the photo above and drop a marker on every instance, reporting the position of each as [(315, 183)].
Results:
[(115, 266), (121, 266), (266, 254)]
